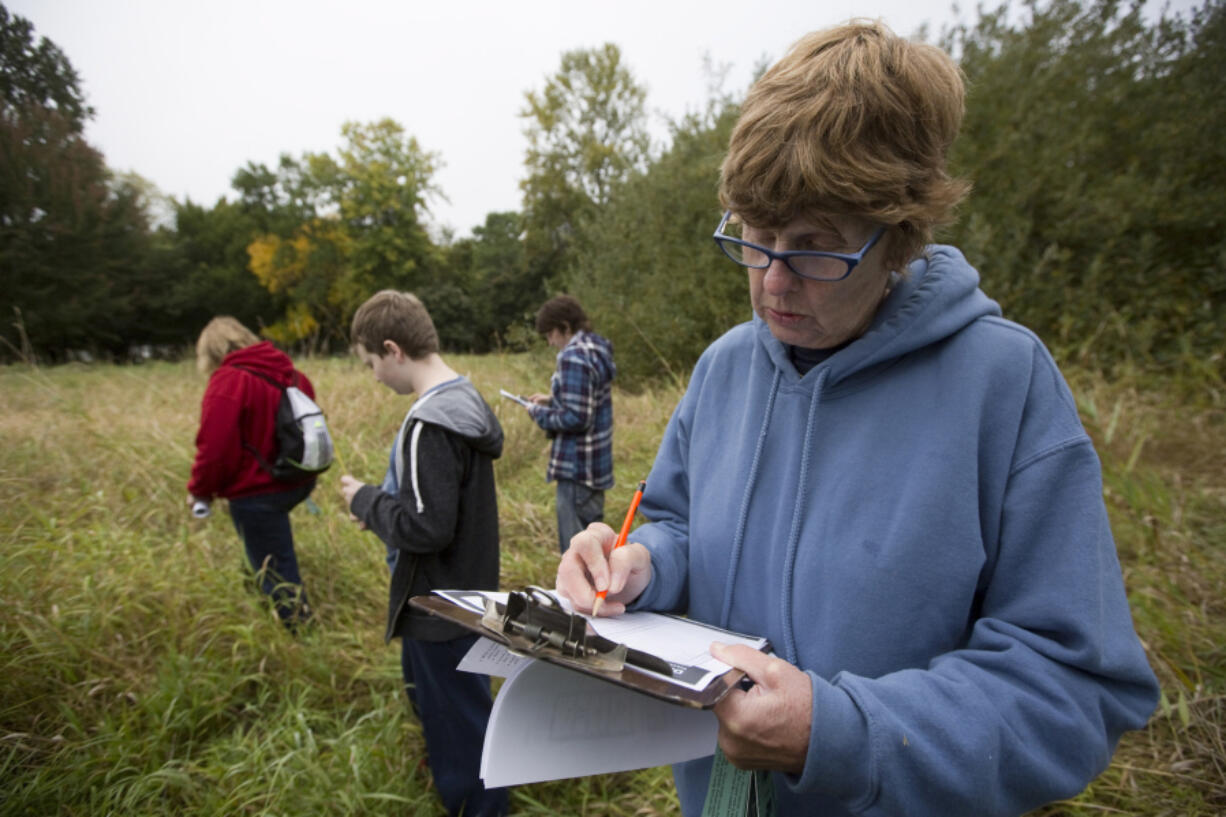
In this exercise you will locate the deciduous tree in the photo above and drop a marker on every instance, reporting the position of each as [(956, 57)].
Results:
[(341, 227), (1092, 137), (587, 133), (73, 241), (645, 265)]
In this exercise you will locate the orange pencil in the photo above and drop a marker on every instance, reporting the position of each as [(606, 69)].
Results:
[(621, 538)]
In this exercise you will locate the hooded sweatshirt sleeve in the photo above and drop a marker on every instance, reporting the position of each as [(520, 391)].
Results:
[(219, 448), (424, 523), (666, 502), (574, 403)]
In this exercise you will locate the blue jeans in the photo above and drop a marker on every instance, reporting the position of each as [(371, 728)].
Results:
[(262, 522), (578, 507), (454, 708)]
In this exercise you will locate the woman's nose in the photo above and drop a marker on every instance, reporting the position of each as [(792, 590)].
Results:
[(778, 279)]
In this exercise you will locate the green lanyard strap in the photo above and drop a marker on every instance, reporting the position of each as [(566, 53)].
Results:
[(735, 792)]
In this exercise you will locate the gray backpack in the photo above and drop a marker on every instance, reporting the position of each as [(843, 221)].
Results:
[(304, 446)]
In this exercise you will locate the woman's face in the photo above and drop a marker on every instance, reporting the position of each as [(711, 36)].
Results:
[(817, 314)]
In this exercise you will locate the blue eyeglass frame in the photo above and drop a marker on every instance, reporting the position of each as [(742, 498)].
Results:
[(851, 260)]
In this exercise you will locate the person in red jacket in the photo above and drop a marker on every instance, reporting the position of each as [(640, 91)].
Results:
[(237, 438)]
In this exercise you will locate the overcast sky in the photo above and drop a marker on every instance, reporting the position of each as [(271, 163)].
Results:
[(186, 93)]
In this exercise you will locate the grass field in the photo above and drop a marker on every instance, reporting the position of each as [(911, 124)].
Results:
[(139, 675)]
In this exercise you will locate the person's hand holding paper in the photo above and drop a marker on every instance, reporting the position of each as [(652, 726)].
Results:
[(592, 564), (766, 727)]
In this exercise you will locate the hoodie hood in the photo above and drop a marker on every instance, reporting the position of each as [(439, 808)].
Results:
[(265, 359), (937, 297), (936, 300), (458, 407), (599, 353)]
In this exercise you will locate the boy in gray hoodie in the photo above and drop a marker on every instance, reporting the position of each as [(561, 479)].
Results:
[(441, 516)]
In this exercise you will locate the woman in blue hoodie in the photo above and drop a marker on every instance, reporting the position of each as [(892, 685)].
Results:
[(882, 475)]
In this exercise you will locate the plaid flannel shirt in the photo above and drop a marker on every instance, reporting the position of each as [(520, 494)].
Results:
[(579, 416)]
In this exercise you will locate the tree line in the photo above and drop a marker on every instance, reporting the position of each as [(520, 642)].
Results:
[(1095, 219)]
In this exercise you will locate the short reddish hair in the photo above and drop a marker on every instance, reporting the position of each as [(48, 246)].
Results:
[(853, 120)]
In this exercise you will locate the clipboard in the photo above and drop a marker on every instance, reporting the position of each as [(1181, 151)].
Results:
[(628, 676)]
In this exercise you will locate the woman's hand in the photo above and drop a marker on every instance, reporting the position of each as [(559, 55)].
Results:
[(766, 727), (540, 399), (591, 564)]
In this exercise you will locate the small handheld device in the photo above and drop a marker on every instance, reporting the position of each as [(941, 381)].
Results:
[(521, 400), (201, 509)]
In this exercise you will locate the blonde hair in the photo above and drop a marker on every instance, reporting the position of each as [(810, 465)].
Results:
[(220, 337), (853, 120), (400, 317)]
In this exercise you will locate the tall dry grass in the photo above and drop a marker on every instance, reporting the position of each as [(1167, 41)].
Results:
[(141, 674)]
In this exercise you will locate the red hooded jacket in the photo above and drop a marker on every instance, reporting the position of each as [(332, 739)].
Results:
[(238, 408)]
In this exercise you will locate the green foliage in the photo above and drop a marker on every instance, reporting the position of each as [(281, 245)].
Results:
[(340, 228), (382, 179), (483, 293), (586, 128), (646, 268), (37, 76), (205, 255), (73, 241), (279, 200), (1092, 137), (1093, 140), (509, 289), (587, 133)]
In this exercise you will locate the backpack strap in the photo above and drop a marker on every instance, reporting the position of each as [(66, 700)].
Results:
[(259, 458), (281, 386)]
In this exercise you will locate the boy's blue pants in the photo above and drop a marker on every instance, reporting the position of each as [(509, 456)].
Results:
[(454, 708)]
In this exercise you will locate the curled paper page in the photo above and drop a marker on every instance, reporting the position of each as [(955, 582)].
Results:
[(549, 723)]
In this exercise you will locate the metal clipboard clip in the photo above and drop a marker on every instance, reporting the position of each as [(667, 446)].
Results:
[(533, 622)]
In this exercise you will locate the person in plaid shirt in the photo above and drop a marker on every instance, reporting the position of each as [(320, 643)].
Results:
[(577, 415)]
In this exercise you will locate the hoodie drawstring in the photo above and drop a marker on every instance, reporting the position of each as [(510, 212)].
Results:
[(793, 545), (421, 507), (802, 493), (739, 538), (397, 459)]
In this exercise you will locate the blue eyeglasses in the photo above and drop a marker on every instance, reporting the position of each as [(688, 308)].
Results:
[(812, 264)]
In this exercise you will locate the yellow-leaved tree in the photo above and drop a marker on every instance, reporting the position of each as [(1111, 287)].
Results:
[(309, 268), (344, 227)]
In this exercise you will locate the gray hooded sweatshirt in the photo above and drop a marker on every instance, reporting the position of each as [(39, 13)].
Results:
[(443, 516)]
